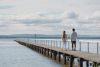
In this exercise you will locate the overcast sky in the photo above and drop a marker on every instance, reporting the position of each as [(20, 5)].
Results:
[(49, 16)]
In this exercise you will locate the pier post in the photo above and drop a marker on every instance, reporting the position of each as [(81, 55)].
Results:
[(59, 56), (34, 47), (71, 61), (55, 54), (95, 64), (87, 63), (48, 52), (81, 62), (41, 50), (44, 51), (51, 53), (64, 58), (37, 49)]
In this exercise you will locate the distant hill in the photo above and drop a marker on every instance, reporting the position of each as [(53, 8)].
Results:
[(30, 36), (57, 36), (88, 36)]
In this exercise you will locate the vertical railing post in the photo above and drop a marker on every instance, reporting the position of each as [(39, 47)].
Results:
[(41, 41), (35, 38), (47, 42), (80, 46), (38, 41), (35, 41), (68, 44), (44, 42), (55, 43), (60, 44), (51, 43), (97, 48), (88, 47)]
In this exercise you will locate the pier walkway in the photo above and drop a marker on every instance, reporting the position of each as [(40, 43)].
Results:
[(57, 52)]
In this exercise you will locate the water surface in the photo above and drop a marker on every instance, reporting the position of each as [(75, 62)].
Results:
[(14, 55)]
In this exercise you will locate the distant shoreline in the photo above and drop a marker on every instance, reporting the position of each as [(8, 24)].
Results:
[(45, 37)]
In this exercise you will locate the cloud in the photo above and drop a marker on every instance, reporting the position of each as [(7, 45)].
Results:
[(6, 6), (72, 15), (52, 24), (85, 25), (38, 20)]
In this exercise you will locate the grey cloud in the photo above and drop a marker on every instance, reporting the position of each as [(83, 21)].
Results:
[(72, 15), (93, 2), (3, 26), (38, 21), (6, 6), (94, 20)]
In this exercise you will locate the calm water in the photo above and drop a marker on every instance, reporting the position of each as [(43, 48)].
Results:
[(15, 55)]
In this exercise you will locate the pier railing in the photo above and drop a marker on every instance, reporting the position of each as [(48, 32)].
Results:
[(90, 47)]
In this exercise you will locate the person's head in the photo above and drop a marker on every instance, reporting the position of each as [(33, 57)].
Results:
[(64, 32), (73, 29)]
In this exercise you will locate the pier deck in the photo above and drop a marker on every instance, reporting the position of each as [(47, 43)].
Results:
[(84, 56)]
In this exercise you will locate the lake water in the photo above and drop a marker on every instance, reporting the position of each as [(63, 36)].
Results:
[(14, 55)]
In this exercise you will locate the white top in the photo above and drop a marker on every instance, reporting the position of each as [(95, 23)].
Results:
[(73, 36)]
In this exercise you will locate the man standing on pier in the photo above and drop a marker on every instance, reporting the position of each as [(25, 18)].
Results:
[(73, 39)]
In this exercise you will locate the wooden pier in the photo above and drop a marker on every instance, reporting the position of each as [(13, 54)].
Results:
[(57, 52)]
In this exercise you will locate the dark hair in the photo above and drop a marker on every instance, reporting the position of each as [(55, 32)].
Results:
[(64, 32), (73, 29)]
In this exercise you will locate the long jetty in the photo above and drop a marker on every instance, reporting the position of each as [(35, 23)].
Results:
[(57, 52)]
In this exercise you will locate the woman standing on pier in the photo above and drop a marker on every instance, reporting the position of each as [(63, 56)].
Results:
[(64, 39)]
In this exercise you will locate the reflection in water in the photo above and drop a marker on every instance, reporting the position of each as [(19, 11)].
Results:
[(15, 55)]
